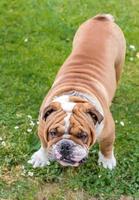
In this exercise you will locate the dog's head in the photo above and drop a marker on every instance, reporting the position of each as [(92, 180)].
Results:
[(69, 129)]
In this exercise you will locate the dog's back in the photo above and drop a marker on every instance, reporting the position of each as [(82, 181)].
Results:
[(95, 63), (102, 41)]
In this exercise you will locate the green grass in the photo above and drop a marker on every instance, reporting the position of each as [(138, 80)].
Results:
[(35, 39)]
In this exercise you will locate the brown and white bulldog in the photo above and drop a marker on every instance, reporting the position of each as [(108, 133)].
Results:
[(75, 113)]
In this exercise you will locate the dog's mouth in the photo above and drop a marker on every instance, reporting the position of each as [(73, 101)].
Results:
[(70, 162), (72, 155)]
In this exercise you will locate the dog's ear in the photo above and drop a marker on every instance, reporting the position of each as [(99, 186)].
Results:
[(93, 112), (95, 115), (49, 110)]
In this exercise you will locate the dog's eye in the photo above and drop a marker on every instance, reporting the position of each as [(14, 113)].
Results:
[(82, 136), (52, 133)]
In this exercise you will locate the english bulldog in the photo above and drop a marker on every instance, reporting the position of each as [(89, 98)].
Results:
[(75, 114)]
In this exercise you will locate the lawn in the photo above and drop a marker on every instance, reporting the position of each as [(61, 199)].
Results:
[(35, 39)]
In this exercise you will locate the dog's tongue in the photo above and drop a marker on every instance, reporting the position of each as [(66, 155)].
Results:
[(69, 161)]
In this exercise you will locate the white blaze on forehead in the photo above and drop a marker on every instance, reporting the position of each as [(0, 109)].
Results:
[(67, 121), (67, 106)]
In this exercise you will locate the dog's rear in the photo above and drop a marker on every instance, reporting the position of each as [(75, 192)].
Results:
[(104, 17), (121, 55)]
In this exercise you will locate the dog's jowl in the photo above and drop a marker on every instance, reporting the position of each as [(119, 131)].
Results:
[(75, 114)]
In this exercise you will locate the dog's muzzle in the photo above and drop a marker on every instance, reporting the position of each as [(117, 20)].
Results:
[(68, 153)]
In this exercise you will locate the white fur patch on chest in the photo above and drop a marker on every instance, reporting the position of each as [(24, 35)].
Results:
[(67, 106)]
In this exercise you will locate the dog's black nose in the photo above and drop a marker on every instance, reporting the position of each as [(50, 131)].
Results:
[(65, 149)]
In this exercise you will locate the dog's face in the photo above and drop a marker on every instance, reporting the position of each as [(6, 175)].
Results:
[(69, 129)]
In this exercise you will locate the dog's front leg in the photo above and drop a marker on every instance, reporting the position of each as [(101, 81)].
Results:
[(106, 154), (39, 158)]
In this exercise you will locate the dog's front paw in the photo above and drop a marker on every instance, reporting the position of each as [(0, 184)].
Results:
[(39, 158), (109, 163)]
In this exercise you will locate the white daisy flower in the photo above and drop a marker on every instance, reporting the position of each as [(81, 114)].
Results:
[(131, 58), (29, 130), (132, 47), (122, 123), (3, 143), (26, 40), (29, 116), (32, 123), (30, 173), (16, 127), (1, 139), (37, 122)]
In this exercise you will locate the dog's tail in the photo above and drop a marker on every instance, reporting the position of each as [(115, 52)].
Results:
[(104, 17)]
